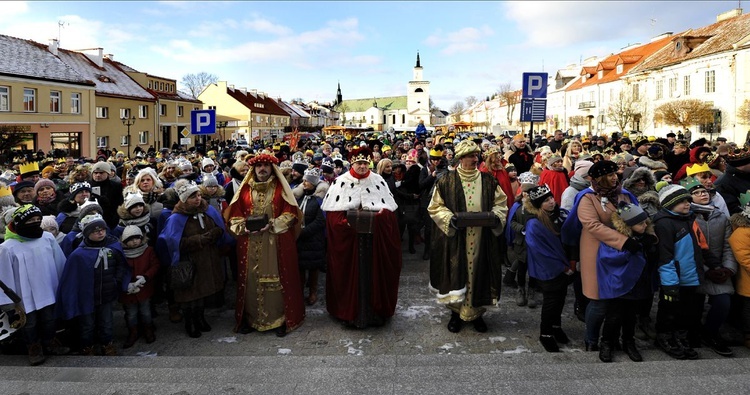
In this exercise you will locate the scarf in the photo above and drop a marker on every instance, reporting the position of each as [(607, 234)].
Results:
[(44, 201), (468, 175), (610, 193), (139, 222), (357, 176), (135, 252)]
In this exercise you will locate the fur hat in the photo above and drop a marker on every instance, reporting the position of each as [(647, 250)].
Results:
[(671, 194), (659, 174), (581, 168), (631, 214), (210, 181), (538, 194), (312, 176), (24, 213), (129, 232), (101, 167), (132, 199), (43, 182), (91, 222), (184, 189), (602, 168)]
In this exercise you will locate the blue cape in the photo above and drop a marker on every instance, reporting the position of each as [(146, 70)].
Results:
[(617, 271), (510, 235), (544, 251)]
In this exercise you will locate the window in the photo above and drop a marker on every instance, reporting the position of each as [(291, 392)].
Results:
[(611, 94), (403, 118), (672, 86), (124, 141), (161, 86), (29, 100), (142, 111), (102, 112), (54, 101), (75, 103), (686, 85), (4, 98), (102, 142), (180, 111), (162, 110), (619, 69), (143, 137), (710, 81), (659, 89), (600, 74), (124, 113), (149, 85), (636, 92)]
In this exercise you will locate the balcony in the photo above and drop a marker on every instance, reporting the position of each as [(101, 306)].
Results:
[(585, 105)]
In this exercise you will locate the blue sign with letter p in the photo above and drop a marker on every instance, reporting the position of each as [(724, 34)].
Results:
[(534, 86), (203, 122)]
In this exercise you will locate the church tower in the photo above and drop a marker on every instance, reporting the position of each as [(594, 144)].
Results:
[(339, 98), (418, 97)]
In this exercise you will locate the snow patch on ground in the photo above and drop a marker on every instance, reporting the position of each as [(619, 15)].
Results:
[(518, 350), (284, 351), (495, 339), (146, 354), (353, 350), (230, 339), (414, 312)]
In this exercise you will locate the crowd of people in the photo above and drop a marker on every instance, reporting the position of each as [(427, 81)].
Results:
[(624, 221)]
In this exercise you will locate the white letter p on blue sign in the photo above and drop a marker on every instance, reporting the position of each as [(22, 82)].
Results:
[(203, 121)]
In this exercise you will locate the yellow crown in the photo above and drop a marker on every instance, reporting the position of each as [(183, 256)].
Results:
[(28, 167), (5, 191), (697, 168)]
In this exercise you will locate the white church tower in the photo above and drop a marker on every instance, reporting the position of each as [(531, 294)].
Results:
[(418, 98)]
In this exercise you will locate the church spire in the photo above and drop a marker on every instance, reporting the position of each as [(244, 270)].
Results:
[(418, 65), (339, 98)]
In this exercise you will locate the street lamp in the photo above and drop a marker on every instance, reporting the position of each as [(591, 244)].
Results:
[(128, 121)]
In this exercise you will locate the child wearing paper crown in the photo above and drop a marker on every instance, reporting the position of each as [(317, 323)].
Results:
[(625, 279), (94, 275), (144, 266), (740, 243)]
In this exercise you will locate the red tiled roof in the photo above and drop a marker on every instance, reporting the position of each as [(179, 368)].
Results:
[(249, 100)]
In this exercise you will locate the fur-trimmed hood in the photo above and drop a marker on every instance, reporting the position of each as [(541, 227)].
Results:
[(123, 213), (182, 208), (623, 228), (739, 221), (320, 190), (652, 164), (640, 173)]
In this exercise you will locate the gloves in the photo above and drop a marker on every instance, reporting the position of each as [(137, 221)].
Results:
[(21, 313), (140, 281), (453, 222), (717, 275), (632, 246), (649, 240), (216, 233), (133, 288), (728, 271), (670, 293)]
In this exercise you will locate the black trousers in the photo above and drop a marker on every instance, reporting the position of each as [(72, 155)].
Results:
[(620, 317), (554, 292), (684, 315)]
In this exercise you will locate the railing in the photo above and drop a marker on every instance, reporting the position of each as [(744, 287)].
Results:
[(586, 104)]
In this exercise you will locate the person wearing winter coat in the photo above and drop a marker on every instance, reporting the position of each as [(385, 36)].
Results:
[(697, 156), (238, 171), (213, 193), (94, 275), (69, 208), (106, 191), (144, 266), (548, 263), (134, 211), (626, 280), (520, 154), (47, 198), (49, 224), (73, 238), (580, 181), (740, 243), (642, 183), (311, 248), (431, 172), (208, 167), (555, 177), (572, 153), (148, 185), (705, 176), (717, 283)]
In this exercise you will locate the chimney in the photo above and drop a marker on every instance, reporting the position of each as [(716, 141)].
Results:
[(663, 35), (98, 59), (244, 91), (110, 56), (729, 14), (53, 46), (254, 92), (231, 86)]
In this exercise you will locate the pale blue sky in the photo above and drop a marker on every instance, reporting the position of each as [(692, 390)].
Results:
[(302, 49)]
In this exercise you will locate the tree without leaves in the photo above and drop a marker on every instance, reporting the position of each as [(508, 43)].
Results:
[(12, 136), (196, 83), (471, 100), (509, 98), (456, 110), (577, 120), (685, 113), (626, 110), (743, 113)]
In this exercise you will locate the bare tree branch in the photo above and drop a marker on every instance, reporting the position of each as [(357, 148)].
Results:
[(195, 83), (456, 110), (509, 98), (626, 110)]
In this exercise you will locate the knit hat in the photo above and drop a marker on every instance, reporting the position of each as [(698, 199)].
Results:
[(554, 158), (91, 222), (659, 174), (641, 141), (519, 137), (538, 194), (129, 232), (602, 168), (78, 187), (101, 167), (24, 213), (312, 176), (184, 189), (210, 181), (691, 184), (207, 162), (466, 147), (671, 194), (22, 185), (48, 221), (90, 207), (582, 167), (43, 182), (631, 214), (528, 180), (133, 199)]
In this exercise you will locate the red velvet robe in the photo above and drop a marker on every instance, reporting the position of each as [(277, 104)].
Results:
[(342, 272), (504, 180), (557, 182)]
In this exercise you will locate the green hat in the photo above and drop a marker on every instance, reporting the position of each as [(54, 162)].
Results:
[(745, 199), (691, 184)]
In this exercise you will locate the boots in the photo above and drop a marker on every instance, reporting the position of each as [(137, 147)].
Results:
[(190, 323), (200, 320), (132, 337), (549, 343), (531, 295), (148, 333), (88, 351), (36, 354), (667, 343), (521, 299), (509, 279), (174, 313), (632, 351), (55, 347), (110, 350), (560, 335), (605, 351), (455, 323), (682, 339)]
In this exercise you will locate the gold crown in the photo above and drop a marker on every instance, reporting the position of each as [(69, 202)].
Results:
[(5, 191), (28, 167), (697, 168)]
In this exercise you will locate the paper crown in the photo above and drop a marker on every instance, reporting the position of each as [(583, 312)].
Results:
[(538, 192), (697, 168), (691, 183), (5, 191), (298, 157), (30, 167), (745, 199), (436, 153), (313, 172)]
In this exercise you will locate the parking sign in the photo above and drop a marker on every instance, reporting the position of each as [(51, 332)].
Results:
[(534, 86), (203, 122)]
